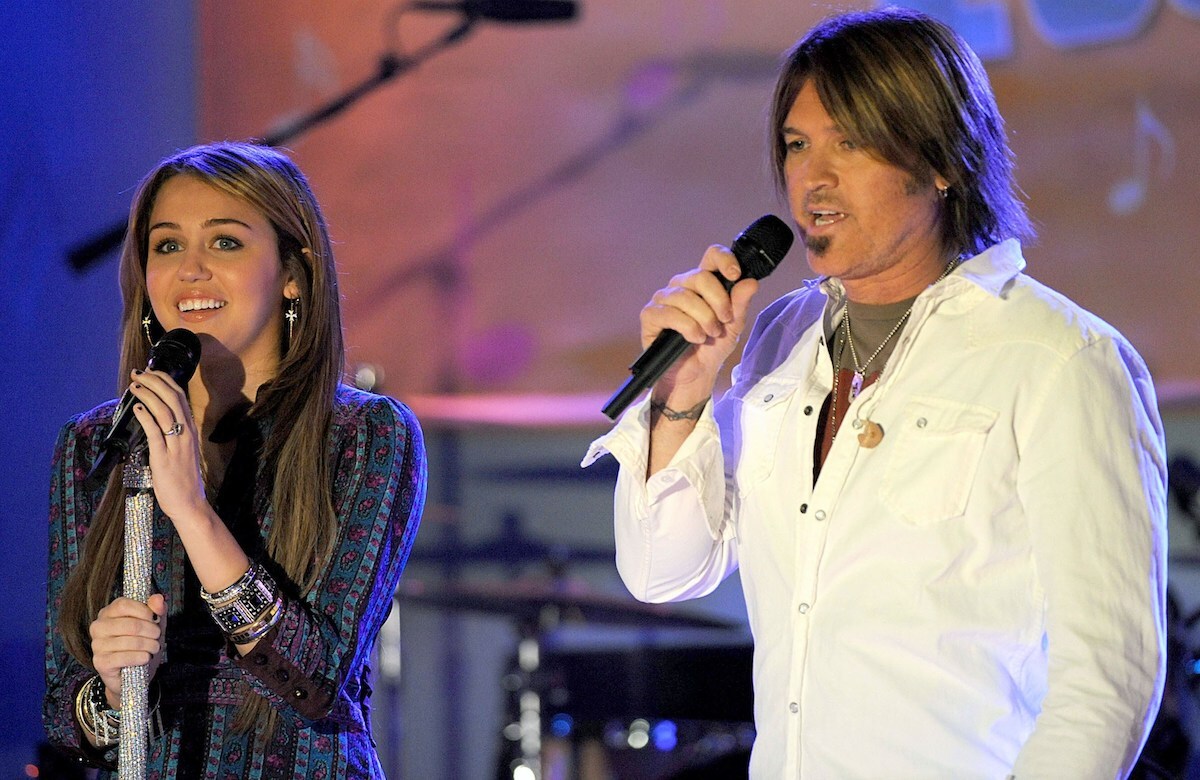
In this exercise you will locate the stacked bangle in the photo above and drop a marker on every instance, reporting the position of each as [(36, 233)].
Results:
[(247, 609), (103, 723), (99, 721)]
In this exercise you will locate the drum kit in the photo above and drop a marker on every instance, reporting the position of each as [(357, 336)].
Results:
[(672, 698), (585, 713)]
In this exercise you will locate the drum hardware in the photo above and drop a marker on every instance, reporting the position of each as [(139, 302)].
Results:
[(538, 608)]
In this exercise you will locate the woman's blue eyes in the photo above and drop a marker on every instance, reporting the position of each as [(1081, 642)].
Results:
[(224, 243)]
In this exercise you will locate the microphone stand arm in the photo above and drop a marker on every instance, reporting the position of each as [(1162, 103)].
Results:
[(86, 254), (390, 65)]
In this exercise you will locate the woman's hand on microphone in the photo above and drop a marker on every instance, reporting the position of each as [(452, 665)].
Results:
[(174, 444), (696, 305)]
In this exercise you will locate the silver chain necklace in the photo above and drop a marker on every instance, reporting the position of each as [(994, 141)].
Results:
[(860, 369)]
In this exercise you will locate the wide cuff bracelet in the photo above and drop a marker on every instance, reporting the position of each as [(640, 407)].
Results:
[(260, 627), (231, 592), (245, 603)]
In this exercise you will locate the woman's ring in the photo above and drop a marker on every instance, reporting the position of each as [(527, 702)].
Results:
[(174, 430)]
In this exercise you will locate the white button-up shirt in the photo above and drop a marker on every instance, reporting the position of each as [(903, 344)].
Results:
[(980, 595)]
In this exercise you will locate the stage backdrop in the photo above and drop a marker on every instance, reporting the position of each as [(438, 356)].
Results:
[(504, 210)]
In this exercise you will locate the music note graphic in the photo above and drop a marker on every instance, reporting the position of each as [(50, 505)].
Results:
[(1128, 195)]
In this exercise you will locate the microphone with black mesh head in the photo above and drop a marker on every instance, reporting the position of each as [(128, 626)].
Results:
[(177, 354), (758, 249)]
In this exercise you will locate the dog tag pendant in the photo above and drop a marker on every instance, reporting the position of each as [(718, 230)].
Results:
[(856, 383)]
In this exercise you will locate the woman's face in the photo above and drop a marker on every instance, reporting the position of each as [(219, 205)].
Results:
[(213, 267)]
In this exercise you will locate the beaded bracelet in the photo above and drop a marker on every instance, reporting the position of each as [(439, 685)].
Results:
[(248, 608)]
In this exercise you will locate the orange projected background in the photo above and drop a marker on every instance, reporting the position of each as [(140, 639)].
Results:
[(504, 210)]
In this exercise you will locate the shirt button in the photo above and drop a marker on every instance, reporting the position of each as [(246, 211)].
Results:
[(794, 707), (808, 410), (260, 660), (922, 422), (300, 693), (819, 514), (803, 508), (282, 675), (767, 398), (803, 609)]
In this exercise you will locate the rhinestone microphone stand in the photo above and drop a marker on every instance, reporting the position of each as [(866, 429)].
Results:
[(139, 520)]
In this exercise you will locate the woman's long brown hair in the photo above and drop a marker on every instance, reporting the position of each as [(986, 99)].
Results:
[(302, 392)]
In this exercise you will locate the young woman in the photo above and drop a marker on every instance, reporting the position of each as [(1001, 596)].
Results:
[(282, 495)]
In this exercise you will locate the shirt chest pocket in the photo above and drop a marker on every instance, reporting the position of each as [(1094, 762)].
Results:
[(755, 447), (938, 448)]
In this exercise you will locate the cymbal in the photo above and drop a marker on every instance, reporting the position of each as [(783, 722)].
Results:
[(534, 410), (528, 601)]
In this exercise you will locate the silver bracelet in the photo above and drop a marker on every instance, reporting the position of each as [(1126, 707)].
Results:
[(240, 608), (98, 720), (260, 627), (102, 722), (231, 592)]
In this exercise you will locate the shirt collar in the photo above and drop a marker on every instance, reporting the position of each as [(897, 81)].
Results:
[(991, 270), (994, 268)]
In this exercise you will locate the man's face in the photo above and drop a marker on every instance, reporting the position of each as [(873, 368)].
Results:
[(863, 220)]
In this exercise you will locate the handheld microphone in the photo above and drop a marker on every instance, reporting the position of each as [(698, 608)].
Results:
[(508, 11), (758, 249), (176, 354)]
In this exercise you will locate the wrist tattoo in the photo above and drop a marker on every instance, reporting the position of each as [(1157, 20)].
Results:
[(675, 416)]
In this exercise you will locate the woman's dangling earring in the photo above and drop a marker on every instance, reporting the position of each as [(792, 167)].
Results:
[(292, 314), (146, 320)]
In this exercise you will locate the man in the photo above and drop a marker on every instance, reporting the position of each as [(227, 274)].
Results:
[(943, 482)]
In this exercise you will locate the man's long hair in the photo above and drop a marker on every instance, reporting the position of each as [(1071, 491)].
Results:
[(909, 90), (300, 396)]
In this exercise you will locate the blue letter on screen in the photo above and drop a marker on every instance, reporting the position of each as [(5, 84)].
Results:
[(1071, 23), (985, 26)]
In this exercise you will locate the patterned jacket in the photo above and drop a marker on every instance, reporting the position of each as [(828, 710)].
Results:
[(313, 666)]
